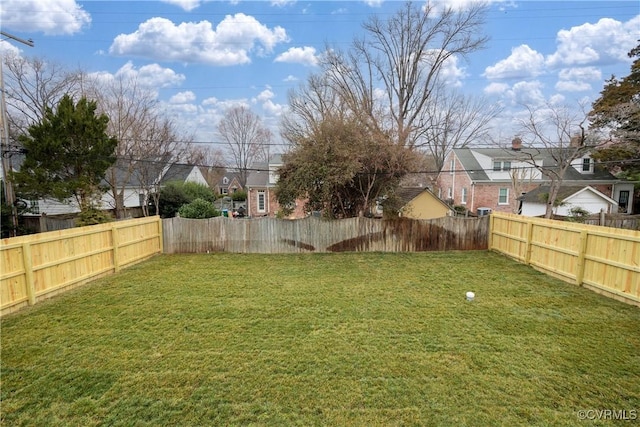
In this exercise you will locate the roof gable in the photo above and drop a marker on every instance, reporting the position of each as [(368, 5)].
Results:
[(408, 194), (565, 194), (468, 158)]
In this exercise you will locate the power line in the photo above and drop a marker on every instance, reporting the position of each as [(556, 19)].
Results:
[(425, 172)]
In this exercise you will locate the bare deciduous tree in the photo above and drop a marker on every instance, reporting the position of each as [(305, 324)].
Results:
[(247, 139), (148, 142), (453, 120), (407, 53), (559, 132), (32, 85)]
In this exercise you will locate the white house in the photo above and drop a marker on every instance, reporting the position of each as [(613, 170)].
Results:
[(135, 192), (586, 198)]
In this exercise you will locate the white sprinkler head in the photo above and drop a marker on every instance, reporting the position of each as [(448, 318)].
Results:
[(470, 296)]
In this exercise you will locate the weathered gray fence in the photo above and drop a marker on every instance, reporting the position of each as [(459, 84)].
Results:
[(269, 235), (628, 222)]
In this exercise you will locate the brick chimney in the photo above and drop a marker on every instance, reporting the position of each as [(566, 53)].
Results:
[(516, 144), (576, 141)]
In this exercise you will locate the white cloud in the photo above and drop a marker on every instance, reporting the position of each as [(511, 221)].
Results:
[(214, 103), (272, 108), (605, 42), (496, 88), (299, 55), (52, 17), (577, 79), (282, 3), (437, 6), (451, 73), (580, 73), (373, 3), (290, 78), (449, 70), (230, 43), (526, 93), (572, 86), (151, 76), (182, 110), (523, 62), (187, 5), (556, 99), (183, 98), (265, 95), (9, 49)]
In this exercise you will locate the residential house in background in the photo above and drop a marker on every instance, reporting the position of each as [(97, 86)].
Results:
[(135, 187), (496, 178), (183, 173), (260, 188), (420, 203), (228, 183), (587, 199)]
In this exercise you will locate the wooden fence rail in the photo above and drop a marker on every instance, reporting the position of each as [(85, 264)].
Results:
[(269, 235), (606, 260), (34, 267), (38, 266)]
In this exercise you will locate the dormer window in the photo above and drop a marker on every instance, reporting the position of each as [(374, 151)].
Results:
[(501, 165), (225, 181), (587, 165)]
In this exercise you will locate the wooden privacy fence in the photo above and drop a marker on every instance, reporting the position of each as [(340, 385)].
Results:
[(270, 235), (40, 265), (606, 260)]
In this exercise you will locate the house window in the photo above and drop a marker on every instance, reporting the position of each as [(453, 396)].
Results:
[(452, 166), (586, 165), (34, 207), (503, 196), (464, 196), (623, 202), (449, 193), (224, 191), (262, 201), (499, 165), (225, 181)]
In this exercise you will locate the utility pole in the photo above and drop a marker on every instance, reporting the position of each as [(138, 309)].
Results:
[(6, 151)]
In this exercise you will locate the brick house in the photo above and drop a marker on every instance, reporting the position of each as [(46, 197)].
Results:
[(228, 183), (496, 178), (261, 184)]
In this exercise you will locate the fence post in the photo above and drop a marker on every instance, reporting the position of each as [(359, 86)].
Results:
[(114, 241), (491, 225), (584, 235), (527, 255), (160, 235), (28, 273)]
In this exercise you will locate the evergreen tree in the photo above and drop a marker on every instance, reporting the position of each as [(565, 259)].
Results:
[(618, 111), (67, 154)]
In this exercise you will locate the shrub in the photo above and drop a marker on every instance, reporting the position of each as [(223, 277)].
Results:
[(198, 209), (92, 216), (239, 196), (176, 194), (577, 214)]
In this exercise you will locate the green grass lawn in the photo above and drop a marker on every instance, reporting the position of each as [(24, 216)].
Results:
[(324, 339)]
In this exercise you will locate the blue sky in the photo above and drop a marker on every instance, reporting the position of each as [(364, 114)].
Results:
[(201, 57)]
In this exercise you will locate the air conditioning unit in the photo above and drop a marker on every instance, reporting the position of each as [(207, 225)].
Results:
[(483, 211)]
